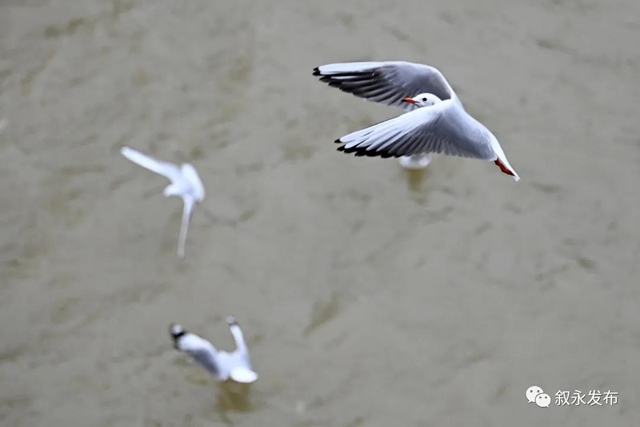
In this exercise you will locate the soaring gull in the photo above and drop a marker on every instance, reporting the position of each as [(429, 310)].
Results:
[(443, 128), (222, 365), (185, 183)]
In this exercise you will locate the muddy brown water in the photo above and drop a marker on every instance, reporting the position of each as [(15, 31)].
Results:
[(369, 297)]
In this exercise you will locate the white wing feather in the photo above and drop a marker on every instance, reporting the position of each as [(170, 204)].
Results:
[(166, 169)]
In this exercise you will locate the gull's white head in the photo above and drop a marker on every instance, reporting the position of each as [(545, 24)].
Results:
[(423, 100), (175, 329), (176, 332)]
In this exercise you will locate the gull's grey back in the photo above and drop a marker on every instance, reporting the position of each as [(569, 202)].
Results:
[(207, 360), (197, 348), (471, 137)]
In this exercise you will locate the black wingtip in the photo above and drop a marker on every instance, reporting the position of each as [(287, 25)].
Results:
[(337, 141), (363, 152), (316, 71)]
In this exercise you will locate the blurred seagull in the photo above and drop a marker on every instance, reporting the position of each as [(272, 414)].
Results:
[(443, 128), (222, 365), (185, 183)]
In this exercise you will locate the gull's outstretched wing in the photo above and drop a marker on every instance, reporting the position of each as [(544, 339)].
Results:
[(444, 128), (201, 351), (187, 210), (386, 82), (166, 169)]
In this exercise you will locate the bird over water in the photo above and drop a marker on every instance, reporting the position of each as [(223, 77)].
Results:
[(443, 128), (222, 365), (185, 183)]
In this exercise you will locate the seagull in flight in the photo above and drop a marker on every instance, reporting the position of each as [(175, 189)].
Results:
[(222, 365), (185, 183), (443, 128), (422, 160)]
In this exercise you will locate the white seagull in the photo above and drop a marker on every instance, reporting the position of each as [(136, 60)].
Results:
[(222, 365), (422, 160), (185, 183), (443, 128)]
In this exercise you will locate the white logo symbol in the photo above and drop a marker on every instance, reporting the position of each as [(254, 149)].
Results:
[(543, 400), (532, 392)]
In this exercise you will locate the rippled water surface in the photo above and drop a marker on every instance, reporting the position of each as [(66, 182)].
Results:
[(369, 297)]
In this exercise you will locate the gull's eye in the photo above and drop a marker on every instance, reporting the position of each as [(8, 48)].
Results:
[(424, 99)]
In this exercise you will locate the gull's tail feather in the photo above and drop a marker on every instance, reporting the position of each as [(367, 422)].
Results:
[(243, 375)]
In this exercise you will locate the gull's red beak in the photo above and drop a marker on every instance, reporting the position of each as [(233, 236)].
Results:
[(409, 100)]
